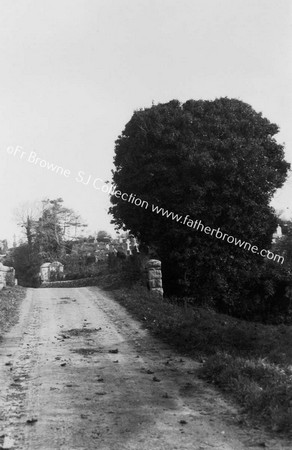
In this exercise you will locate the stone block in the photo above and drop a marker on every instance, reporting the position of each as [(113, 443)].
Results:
[(157, 291), (154, 273), (153, 264), (156, 283)]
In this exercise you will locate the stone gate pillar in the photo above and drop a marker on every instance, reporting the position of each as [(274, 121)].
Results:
[(154, 276)]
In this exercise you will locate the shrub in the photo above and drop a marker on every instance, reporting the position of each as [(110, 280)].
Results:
[(264, 297)]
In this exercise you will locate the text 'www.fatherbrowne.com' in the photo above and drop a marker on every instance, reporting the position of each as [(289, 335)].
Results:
[(217, 233)]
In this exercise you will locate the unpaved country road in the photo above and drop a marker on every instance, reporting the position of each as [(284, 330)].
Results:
[(78, 373)]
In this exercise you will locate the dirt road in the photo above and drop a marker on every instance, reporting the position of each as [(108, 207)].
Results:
[(78, 373)]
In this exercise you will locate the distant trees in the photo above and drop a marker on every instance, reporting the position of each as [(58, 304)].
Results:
[(103, 235), (49, 227), (218, 162), (27, 216), (52, 228), (46, 226)]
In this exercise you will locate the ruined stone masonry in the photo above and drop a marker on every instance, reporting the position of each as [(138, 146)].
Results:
[(7, 276), (154, 276)]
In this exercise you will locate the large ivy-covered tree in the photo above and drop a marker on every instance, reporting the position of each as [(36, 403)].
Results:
[(218, 162)]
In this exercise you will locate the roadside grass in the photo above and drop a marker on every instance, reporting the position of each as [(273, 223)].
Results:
[(250, 361), (10, 300)]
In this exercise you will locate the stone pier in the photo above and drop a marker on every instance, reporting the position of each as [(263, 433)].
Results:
[(154, 277)]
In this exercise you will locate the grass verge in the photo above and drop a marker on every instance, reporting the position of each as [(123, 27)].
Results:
[(250, 361), (10, 299)]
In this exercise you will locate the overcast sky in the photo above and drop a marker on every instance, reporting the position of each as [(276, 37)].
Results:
[(73, 71)]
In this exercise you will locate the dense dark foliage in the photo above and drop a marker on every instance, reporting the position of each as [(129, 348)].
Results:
[(216, 161), (26, 263)]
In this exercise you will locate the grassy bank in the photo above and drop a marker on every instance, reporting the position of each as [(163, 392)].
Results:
[(10, 300), (250, 361)]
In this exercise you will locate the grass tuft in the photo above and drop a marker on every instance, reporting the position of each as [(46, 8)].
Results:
[(263, 388)]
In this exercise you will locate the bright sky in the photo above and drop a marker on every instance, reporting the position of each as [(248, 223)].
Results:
[(73, 71)]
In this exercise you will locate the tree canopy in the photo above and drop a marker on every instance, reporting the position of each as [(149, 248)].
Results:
[(217, 161), (49, 227)]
